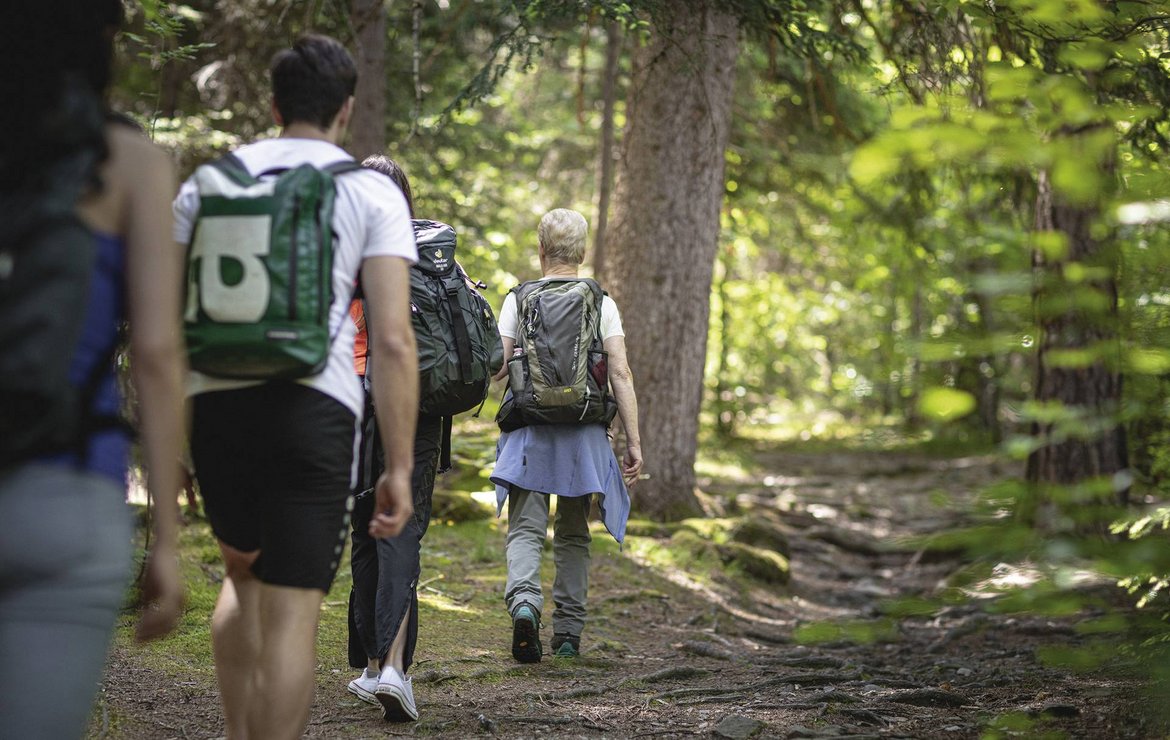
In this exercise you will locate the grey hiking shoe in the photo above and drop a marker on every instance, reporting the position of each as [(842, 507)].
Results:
[(526, 646), (565, 645)]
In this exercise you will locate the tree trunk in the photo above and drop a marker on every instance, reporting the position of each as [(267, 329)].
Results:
[(724, 407), (1076, 452), (988, 372), (665, 234), (368, 127), (613, 48)]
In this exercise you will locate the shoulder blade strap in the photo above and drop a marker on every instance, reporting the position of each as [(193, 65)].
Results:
[(230, 165), (521, 290), (342, 167)]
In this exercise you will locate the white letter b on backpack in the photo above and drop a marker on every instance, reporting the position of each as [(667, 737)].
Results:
[(242, 239)]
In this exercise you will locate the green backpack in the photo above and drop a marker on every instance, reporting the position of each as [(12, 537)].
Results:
[(558, 373), (260, 271)]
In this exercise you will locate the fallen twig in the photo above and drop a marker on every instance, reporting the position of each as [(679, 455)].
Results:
[(928, 698), (803, 679), (706, 650), (812, 661), (666, 674), (865, 716), (720, 699), (431, 580)]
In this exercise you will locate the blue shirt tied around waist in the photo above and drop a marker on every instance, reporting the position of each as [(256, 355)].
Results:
[(107, 450), (565, 461)]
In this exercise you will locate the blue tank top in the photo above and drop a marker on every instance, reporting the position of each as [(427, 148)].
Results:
[(107, 450)]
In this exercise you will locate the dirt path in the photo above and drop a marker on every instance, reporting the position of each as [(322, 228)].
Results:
[(682, 657)]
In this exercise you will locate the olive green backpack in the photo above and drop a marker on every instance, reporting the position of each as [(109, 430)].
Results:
[(558, 374)]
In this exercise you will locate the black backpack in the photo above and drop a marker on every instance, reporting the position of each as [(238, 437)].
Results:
[(459, 348), (558, 374), (47, 257)]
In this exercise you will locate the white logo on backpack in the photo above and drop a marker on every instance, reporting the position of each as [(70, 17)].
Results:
[(244, 239)]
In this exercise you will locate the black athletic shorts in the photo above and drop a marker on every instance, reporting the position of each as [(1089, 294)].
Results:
[(274, 464)]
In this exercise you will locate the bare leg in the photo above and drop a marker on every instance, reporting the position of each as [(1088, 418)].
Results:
[(288, 657), (235, 639), (396, 654)]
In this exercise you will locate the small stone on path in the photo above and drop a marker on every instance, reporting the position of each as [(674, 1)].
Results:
[(737, 727)]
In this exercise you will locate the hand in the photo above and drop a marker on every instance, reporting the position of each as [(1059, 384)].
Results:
[(162, 591), (632, 464), (393, 505)]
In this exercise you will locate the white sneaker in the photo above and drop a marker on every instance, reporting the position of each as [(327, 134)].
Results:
[(363, 686), (396, 694)]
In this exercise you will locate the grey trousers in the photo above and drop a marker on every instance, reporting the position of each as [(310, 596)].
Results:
[(527, 530), (65, 552)]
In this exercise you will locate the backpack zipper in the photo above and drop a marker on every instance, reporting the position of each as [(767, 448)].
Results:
[(552, 356), (292, 260)]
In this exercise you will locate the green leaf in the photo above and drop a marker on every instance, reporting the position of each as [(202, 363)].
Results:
[(946, 404), (1148, 360)]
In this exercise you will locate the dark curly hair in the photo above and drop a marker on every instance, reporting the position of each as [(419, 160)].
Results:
[(312, 80)]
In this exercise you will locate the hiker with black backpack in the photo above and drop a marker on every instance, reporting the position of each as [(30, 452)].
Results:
[(459, 351), (276, 234), (566, 348), (84, 236)]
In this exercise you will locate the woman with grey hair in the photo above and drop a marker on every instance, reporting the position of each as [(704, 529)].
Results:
[(572, 461)]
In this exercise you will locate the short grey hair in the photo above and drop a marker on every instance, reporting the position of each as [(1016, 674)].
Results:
[(562, 234)]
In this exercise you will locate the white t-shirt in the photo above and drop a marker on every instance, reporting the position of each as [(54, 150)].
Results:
[(370, 219), (611, 319)]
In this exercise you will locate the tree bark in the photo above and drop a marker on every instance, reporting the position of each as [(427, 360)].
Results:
[(613, 48), (665, 233), (1074, 453), (368, 127)]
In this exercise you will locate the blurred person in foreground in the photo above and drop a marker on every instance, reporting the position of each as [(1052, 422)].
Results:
[(83, 197)]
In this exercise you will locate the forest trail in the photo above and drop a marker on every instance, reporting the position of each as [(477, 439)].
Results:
[(692, 657)]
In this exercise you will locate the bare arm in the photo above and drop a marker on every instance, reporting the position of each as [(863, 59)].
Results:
[(622, 382), (509, 345), (154, 280), (393, 375)]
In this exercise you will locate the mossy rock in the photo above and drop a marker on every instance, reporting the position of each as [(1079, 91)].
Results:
[(647, 528), (458, 506), (761, 533), (714, 530), (757, 562), (685, 539)]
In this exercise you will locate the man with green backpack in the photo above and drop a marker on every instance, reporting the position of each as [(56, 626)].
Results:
[(277, 233)]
